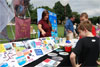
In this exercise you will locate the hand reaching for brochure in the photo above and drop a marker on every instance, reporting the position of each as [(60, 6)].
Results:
[(43, 33)]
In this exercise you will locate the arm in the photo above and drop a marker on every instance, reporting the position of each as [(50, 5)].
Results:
[(72, 59), (75, 33), (76, 52), (41, 30)]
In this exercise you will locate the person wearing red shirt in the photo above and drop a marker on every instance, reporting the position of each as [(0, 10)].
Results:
[(84, 17), (44, 25)]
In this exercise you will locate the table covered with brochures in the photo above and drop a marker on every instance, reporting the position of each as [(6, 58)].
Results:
[(36, 52), (64, 62)]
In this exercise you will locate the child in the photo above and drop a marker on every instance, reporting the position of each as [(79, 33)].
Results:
[(84, 17), (87, 48)]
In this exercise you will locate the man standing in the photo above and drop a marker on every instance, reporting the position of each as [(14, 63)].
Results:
[(69, 27)]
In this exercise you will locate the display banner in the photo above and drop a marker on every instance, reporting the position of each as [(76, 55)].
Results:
[(22, 28), (52, 19), (6, 15)]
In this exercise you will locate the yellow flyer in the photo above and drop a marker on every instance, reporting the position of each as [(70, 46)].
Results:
[(2, 48), (45, 42)]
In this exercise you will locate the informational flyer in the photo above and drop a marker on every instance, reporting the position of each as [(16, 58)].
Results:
[(2, 49)]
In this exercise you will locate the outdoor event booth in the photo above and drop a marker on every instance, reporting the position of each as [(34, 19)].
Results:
[(46, 51)]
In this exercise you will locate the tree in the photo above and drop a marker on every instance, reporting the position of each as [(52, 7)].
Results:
[(32, 12), (94, 20), (47, 8), (59, 10), (68, 10)]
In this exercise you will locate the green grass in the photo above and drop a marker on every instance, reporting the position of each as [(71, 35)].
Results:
[(60, 30), (9, 32), (10, 35)]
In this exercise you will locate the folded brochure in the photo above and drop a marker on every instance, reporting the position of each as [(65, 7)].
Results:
[(48, 63)]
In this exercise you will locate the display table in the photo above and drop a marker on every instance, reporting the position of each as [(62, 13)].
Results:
[(33, 52), (64, 62)]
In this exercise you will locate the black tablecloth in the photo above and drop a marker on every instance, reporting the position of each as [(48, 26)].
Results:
[(65, 62)]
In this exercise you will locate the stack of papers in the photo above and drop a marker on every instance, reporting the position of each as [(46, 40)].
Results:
[(48, 63)]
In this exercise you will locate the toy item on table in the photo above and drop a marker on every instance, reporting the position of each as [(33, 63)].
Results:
[(68, 46), (57, 39), (62, 42)]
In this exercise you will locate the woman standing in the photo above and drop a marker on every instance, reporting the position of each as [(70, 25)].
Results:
[(44, 25)]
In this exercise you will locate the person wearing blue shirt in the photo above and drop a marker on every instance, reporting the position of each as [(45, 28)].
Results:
[(69, 27)]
